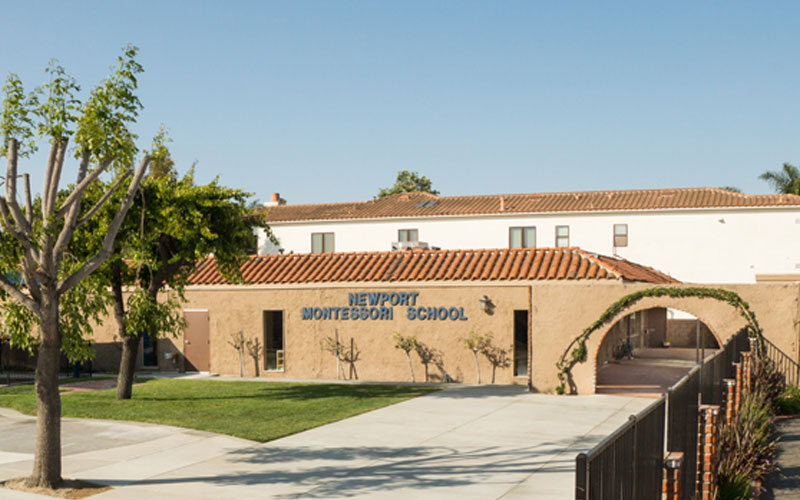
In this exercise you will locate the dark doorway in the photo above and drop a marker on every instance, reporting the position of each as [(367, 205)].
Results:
[(521, 343), (195, 341), (273, 340), (149, 350)]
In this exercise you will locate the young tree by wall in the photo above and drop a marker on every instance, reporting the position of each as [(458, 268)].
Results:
[(39, 233), (406, 344), (477, 342), (237, 341)]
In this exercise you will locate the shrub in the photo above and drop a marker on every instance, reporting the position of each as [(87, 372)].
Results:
[(788, 403), (768, 380), (735, 488), (747, 447)]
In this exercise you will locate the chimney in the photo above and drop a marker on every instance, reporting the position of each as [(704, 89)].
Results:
[(275, 200)]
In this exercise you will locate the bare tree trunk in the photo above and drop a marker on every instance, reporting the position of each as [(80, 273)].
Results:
[(410, 367), (130, 343), (47, 446), (494, 370), (127, 366), (477, 366), (240, 351)]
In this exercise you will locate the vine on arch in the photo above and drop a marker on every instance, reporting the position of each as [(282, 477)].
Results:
[(576, 351)]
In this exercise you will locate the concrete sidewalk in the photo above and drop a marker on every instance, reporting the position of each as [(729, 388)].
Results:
[(786, 485), (464, 442)]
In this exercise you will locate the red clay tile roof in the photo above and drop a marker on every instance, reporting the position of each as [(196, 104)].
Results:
[(426, 204), (434, 265)]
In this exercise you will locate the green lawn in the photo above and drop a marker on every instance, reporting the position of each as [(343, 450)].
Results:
[(260, 411)]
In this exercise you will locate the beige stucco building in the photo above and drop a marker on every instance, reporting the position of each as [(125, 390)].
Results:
[(533, 301)]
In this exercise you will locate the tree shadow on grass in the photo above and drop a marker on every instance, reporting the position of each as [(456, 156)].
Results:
[(285, 392), (336, 472)]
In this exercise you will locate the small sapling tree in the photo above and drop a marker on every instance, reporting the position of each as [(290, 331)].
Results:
[(237, 341), (255, 350), (477, 343), (333, 346), (406, 344), (351, 356)]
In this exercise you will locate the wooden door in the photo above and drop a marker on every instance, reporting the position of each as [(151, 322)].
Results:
[(195, 342)]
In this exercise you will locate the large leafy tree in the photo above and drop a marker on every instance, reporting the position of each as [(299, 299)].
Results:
[(408, 182), (786, 180), (173, 225), (47, 297)]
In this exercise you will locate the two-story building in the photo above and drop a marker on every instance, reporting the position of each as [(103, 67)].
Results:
[(700, 235)]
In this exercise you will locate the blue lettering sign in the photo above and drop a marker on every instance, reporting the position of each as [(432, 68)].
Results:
[(380, 306)]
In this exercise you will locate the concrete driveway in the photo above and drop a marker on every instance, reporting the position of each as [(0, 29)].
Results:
[(465, 442)]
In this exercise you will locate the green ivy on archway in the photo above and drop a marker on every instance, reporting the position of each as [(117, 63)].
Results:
[(576, 351)]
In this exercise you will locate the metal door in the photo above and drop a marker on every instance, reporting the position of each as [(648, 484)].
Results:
[(195, 341)]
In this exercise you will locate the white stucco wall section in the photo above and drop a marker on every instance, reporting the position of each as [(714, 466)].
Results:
[(701, 246)]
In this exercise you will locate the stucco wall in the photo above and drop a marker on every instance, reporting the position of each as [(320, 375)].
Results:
[(242, 309), (560, 312), (699, 246)]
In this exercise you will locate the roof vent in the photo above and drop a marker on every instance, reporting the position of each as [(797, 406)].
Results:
[(410, 245)]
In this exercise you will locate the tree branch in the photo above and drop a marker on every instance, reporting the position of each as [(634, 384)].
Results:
[(17, 295), (11, 187), (28, 204), (48, 174), (100, 203), (108, 242), (31, 276), (77, 192), (69, 221), (10, 227), (55, 175)]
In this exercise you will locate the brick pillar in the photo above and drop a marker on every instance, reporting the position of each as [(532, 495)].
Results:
[(729, 399), (753, 345), (673, 470), (738, 377), (708, 425), (747, 370)]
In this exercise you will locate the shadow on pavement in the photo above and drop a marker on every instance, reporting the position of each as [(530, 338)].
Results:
[(386, 469)]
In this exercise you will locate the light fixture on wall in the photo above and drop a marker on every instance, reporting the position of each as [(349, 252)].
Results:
[(486, 304)]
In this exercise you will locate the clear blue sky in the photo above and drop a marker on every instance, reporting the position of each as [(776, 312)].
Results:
[(327, 100)]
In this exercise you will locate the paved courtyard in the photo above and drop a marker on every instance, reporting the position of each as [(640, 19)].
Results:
[(466, 442)]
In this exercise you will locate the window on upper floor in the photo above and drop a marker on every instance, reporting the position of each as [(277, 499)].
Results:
[(620, 235), (321, 242), (562, 236), (522, 237), (404, 235)]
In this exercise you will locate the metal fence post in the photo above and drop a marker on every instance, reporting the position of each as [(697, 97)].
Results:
[(580, 477), (633, 420)]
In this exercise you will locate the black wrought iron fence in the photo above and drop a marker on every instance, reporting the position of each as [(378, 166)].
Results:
[(9, 377), (783, 363), (682, 404), (627, 464)]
